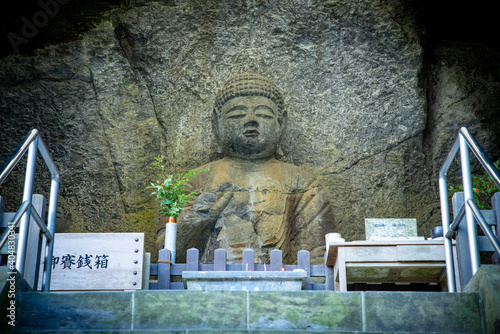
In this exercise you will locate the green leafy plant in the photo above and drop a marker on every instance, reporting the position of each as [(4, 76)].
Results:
[(170, 191), (483, 188)]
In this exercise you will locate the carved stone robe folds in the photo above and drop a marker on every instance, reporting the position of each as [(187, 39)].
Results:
[(255, 204)]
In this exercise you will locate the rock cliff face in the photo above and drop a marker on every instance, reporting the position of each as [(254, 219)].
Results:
[(366, 108)]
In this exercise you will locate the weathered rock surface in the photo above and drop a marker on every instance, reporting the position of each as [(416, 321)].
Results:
[(353, 75), (465, 92)]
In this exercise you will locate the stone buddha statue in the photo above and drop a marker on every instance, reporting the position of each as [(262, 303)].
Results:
[(249, 199)]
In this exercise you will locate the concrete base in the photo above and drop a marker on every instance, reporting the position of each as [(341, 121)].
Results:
[(180, 311), (248, 312), (486, 281), (11, 285)]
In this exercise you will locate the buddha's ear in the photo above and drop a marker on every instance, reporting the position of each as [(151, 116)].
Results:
[(279, 153), (216, 129), (283, 120)]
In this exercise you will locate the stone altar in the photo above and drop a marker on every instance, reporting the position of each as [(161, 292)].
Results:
[(245, 280)]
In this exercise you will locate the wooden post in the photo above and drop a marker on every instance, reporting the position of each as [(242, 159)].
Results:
[(146, 273), (304, 262), (329, 278), (164, 269), (495, 205), (2, 223), (248, 260), (192, 259), (276, 260), (463, 254), (34, 248), (220, 260), (340, 270)]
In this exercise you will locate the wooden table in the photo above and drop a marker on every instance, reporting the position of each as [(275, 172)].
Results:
[(401, 261)]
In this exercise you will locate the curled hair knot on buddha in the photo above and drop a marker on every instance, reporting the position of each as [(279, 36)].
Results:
[(250, 84)]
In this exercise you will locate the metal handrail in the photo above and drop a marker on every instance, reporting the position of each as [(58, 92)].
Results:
[(484, 225), (455, 223), (15, 220), (464, 141), (33, 144)]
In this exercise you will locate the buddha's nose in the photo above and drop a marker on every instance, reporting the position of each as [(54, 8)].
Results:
[(251, 120)]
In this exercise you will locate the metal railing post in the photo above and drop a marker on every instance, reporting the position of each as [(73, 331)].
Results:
[(445, 218), (51, 226), (27, 196), (467, 185), (51, 218)]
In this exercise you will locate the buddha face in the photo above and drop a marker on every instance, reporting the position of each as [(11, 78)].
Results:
[(248, 127)]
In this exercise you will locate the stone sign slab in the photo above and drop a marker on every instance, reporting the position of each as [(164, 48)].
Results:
[(391, 228), (97, 261)]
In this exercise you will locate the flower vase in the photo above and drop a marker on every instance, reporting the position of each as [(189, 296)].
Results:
[(171, 236)]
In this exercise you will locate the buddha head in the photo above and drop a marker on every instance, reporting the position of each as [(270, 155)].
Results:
[(249, 117)]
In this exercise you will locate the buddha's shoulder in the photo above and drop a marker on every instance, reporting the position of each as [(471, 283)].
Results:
[(206, 167), (304, 172), (211, 167)]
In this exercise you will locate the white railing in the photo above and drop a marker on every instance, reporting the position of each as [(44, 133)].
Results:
[(32, 144), (464, 142)]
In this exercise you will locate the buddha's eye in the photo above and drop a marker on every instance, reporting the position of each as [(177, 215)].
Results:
[(264, 112), (265, 115), (236, 113)]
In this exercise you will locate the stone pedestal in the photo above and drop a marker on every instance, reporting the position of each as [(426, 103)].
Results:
[(486, 281), (245, 280)]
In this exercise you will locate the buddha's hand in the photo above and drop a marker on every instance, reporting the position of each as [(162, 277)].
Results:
[(220, 205), (199, 218), (208, 206)]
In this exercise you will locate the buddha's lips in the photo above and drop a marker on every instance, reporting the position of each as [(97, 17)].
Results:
[(251, 133)]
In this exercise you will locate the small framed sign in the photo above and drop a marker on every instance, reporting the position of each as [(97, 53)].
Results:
[(378, 229), (97, 261)]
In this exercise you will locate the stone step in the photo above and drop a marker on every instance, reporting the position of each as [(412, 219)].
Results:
[(248, 312), (217, 331)]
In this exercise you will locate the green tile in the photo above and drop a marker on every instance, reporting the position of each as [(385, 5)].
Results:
[(310, 310), (75, 310), (111, 331), (422, 312), (285, 331), (257, 331), (182, 309)]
